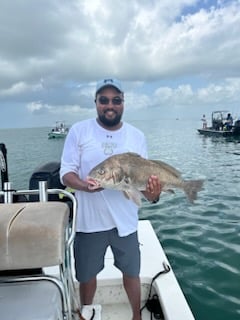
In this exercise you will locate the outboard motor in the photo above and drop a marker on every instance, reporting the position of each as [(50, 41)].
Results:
[(236, 128), (48, 172), (3, 167), (4, 174), (3, 164), (237, 125)]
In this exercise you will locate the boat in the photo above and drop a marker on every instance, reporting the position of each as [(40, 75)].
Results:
[(219, 127), (37, 277), (60, 130)]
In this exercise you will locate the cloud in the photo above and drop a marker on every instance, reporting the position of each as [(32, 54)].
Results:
[(38, 107), (183, 52)]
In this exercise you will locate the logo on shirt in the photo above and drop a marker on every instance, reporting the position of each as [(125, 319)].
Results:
[(108, 147)]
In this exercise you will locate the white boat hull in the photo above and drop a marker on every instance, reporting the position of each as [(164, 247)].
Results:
[(41, 300)]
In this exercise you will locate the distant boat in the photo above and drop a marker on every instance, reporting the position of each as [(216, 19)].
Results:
[(219, 126), (59, 131)]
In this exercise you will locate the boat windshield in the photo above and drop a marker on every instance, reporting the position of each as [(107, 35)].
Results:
[(220, 115)]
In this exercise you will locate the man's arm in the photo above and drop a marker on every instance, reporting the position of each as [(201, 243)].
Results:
[(72, 180)]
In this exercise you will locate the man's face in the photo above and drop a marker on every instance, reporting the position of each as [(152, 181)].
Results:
[(109, 103)]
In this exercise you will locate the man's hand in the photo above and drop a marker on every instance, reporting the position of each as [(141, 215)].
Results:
[(72, 180), (153, 189)]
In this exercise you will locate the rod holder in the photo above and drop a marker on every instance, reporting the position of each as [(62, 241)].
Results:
[(8, 192), (43, 194)]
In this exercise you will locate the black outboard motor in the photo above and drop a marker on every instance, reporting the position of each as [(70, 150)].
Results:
[(4, 174), (237, 127), (3, 164), (48, 172), (3, 167)]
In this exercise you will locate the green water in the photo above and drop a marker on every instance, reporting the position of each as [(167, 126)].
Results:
[(202, 241)]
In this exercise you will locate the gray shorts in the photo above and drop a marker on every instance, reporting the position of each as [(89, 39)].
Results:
[(90, 249)]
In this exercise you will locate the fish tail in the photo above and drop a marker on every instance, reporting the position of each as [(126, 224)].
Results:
[(191, 188)]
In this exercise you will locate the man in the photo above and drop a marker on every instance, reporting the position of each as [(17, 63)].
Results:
[(105, 217), (204, 122), (229, 122)]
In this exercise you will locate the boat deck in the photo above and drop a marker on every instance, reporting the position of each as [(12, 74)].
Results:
[(121, 311), (111, 294)]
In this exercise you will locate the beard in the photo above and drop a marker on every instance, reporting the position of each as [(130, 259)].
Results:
[(110, 122)]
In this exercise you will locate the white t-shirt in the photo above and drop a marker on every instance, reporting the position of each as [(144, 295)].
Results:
[(87, 144)]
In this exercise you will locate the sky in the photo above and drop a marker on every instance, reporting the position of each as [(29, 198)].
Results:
[(178, 58)]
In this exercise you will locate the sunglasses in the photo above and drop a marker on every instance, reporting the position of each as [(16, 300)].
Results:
[(105, 100)]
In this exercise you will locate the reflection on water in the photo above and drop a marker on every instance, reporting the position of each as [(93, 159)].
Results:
[(202, 241)]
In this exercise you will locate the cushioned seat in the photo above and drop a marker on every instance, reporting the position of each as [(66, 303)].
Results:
[(32, 235)]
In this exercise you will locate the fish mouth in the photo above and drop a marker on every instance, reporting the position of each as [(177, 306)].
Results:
[(93, 183)]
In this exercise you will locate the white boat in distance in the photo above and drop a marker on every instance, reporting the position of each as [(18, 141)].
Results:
[(60, 130), (37, 276)]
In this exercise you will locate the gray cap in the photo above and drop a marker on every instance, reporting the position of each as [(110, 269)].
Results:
[(109, 83)]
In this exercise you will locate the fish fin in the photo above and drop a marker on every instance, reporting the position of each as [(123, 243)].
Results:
[(191, 188), (134, 154), (167, 167), (169, 191), (126, 194), (116, 175), (134, 195)]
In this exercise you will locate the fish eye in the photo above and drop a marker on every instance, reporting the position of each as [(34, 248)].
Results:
[(101, 171)]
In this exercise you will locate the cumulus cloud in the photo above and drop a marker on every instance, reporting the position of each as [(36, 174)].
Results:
[(183, 52)]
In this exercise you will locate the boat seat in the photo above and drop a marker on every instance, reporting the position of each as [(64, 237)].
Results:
[(32, 235)]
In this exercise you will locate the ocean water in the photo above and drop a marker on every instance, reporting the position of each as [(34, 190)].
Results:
[(201, 240)]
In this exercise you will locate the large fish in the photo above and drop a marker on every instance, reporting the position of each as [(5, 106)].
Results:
[(129, 172)]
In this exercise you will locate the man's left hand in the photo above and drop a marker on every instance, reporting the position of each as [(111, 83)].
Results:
[(153, 189)]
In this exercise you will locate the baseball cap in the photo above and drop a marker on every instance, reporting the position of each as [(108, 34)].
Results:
[(109, 82)]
